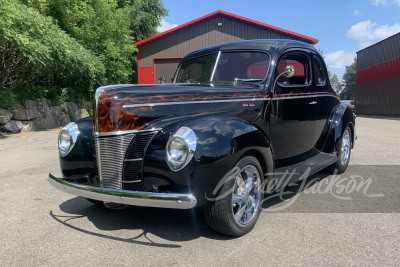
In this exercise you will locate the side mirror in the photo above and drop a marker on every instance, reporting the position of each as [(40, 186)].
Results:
[(287, 72)]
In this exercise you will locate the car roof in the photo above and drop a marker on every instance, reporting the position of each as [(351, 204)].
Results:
[(259, 44)]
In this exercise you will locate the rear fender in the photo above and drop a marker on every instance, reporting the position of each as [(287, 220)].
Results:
[(340, 117)]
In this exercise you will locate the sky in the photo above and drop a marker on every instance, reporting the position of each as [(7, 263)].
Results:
[(343, 27)]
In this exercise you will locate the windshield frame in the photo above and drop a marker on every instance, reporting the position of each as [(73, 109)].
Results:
[(219, 52)]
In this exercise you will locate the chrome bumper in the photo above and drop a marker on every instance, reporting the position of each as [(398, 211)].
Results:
[(135, 198)]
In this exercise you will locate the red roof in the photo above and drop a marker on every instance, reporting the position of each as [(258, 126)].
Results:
[(304, 38)]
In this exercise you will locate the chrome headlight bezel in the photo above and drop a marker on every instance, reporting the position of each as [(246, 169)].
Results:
[(188, 139), (71, 130)]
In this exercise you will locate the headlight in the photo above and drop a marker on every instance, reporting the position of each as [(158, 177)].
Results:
[(67, 138), (180, 148)]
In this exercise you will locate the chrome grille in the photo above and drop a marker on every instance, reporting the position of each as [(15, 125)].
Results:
[(110, 152), (132, 174)]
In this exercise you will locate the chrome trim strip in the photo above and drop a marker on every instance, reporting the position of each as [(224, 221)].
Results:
[(133, 159), (132, 182), (221, 101), (192, 102), (215, 66), (126, 132), (135, 198), (303, 96)]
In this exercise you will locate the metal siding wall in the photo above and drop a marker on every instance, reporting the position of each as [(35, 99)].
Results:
[(384, 70), (203, 34), (379, 97), (383, 51)]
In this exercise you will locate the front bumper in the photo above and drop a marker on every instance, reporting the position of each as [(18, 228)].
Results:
[(135, 198)]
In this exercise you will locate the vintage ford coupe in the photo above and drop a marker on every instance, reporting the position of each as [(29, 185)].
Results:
[(237, 115)]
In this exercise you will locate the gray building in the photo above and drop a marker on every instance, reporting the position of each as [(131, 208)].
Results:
[(159, 55), (378, 78)]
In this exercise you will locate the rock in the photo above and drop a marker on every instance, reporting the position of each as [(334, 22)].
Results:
[(41, 105), (64, 108), (27, 126), (12, 126), (2, 136), (81, 113), (26, 114), (86, 105), (51, 122), (56, 112), (5, 116), (39, 124), (72, 107), (30, 104), (64, 120)]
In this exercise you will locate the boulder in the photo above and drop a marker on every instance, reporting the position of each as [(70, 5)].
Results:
[(30, 104), (5, 116), (64, 120), (51, 122), (26, 114), (12, 126), (2, 136), (64, 108), (27, 126), (39, 124), (56, 112), (81, 113), (86, 105), (41, 105), (72, 107)]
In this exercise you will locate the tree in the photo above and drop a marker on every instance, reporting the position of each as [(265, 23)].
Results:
[(145, 17), (34, 51), (335, 83), (108, 28), (349, 79), (102, 27)]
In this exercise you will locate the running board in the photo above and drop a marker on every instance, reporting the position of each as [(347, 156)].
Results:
[(305, 168)]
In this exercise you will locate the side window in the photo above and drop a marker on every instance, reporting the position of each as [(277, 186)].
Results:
[(301, 78), (319, 72)]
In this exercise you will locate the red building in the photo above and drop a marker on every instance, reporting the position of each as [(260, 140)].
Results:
[(159, 55), (378, 78)]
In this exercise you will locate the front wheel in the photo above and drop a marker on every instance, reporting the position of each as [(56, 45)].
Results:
[(344, 151), (236, 209)]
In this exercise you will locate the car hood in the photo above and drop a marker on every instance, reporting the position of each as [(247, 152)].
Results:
[(133, 107)]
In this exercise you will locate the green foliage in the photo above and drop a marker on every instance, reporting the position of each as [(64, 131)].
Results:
[(145, 17), (102, 27), (335, 83), (63, 49), (349, 79), (35, 52)]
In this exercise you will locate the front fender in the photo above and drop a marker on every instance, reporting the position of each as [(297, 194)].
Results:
[(221, 141), (79, 164), (340, 117)]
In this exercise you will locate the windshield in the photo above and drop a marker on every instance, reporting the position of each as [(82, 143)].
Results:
[(245, 66)]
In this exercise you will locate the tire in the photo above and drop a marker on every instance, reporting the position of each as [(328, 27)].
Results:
[(343, 146), (234, 199)]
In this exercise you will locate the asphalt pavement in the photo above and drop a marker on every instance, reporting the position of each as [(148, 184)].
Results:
[(350, 219)]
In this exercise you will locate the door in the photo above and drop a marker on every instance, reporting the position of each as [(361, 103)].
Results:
[(326, 100), (292, 118), (164, 69)]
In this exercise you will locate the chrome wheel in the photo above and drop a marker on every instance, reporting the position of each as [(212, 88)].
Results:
[(345, 149), (246, 195)]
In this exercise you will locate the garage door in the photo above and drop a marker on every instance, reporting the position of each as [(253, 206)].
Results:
[(165, 69)]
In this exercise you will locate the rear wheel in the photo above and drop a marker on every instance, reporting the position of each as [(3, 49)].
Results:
[(344, 152), (237, 207)]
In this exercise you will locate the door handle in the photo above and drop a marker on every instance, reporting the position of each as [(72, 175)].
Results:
[(312, 103)]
